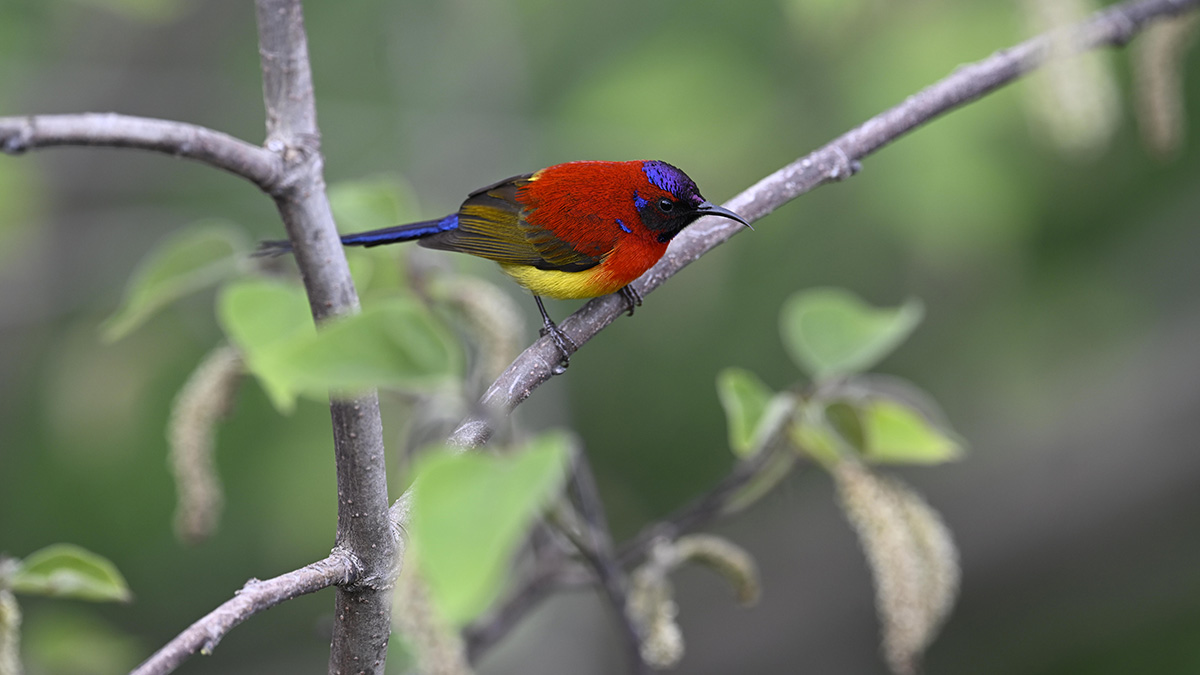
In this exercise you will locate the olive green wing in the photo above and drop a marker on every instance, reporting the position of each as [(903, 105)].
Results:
[(491, 224)]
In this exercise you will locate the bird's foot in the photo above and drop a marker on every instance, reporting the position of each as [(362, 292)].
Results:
[(632, 297), (565, 344)]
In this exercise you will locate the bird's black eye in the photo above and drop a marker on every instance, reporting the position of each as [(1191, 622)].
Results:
[(666, 205)]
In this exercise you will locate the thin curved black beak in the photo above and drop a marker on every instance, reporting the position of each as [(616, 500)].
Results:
[(710, 209)]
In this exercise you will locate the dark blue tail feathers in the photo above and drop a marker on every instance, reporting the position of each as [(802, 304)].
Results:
[(387, 235), (399, 233)]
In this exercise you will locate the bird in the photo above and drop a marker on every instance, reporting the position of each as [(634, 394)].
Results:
[(568, 231)]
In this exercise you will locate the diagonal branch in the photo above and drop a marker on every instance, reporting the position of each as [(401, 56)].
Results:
[(837, 160), (595, 544), (257, 165), (256, 596)]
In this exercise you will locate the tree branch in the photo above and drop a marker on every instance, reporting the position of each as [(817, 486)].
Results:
[(483, 634), (559, 572), (835, 161), (254, 597), (216, 149), (363, 607), (290, 169), (700, 511)]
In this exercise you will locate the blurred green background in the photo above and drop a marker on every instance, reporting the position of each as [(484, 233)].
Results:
[(1055, 252)]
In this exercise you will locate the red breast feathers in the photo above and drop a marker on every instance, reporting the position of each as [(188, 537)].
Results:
[(592, 206)]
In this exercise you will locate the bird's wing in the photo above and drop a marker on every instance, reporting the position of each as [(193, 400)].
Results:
[(490, 225)]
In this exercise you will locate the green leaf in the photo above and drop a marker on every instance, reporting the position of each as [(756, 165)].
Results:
[(843, 418), (68, 571), (395, 344), (816, 440), (744, 398), (259, 315), (831, 332), (471, 511), (896, 434), (198, 256)]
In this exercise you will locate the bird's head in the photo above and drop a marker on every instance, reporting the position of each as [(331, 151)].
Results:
[(670, 201)]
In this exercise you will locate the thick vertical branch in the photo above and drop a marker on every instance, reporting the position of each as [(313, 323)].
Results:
[(363, 611)]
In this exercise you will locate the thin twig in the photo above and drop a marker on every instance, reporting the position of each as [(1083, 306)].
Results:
[(256, 596), (483, 634), (562, 573), (697, 513), (599, 554), (179, 139)]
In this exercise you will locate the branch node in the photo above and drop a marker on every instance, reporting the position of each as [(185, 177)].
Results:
[(359, 579), (19, 142), (844, 167), (1124, 27)]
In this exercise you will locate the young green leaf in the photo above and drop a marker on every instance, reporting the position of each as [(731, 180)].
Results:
[(68, 571), (845, 420), (198, 256), (893, 433), (812, 435), (258, 315), (817, 441), (470, 512), (392, 344), (744, 398), (396, 344), (831, 332), (261, 317)]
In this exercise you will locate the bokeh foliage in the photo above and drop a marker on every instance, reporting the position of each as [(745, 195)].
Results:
[(1059, 291)]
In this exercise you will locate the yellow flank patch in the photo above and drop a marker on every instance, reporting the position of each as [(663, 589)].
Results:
[(559, 285)]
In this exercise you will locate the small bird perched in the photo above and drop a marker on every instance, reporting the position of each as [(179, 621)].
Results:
[(574, 230)]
